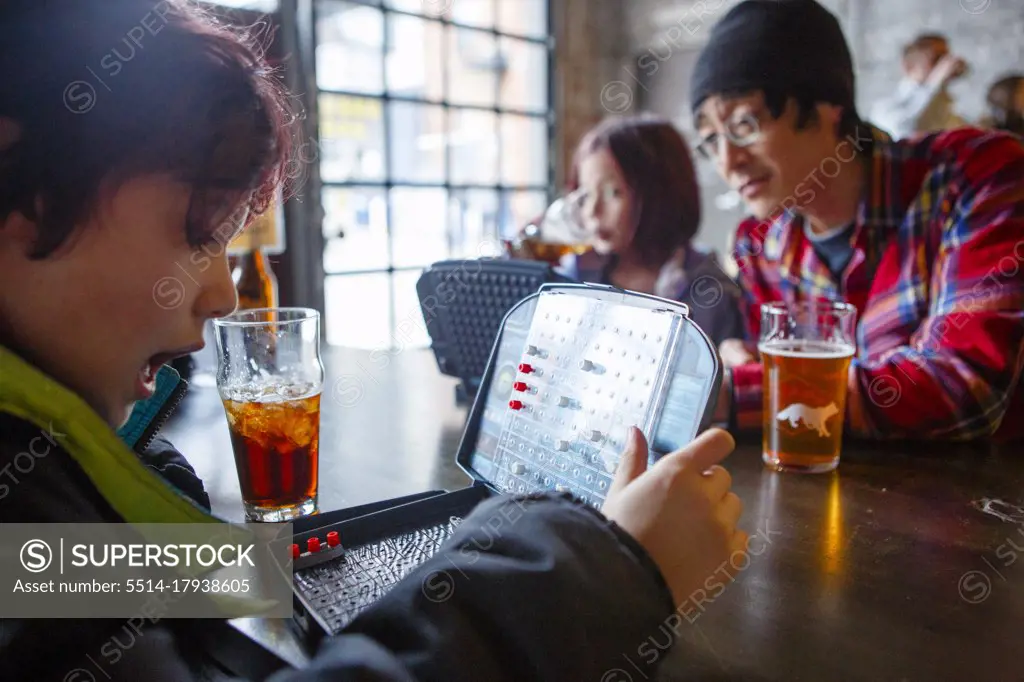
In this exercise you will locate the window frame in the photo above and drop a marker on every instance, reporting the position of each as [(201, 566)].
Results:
[(500, 188)]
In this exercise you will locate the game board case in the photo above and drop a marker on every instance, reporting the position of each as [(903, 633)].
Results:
[(573, 366)]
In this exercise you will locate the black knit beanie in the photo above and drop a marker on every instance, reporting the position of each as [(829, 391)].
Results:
[(792, 46)]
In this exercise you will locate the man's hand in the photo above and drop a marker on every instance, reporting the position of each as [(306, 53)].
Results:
[(735, 352), (948, 68), (681, 510)]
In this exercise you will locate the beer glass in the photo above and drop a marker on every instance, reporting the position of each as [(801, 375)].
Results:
[(806, 349), (270, 378), (560, 231)]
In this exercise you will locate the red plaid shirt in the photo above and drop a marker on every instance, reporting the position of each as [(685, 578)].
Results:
[(937, 277)]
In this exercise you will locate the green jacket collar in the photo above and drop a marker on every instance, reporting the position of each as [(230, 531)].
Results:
[(136, 493)]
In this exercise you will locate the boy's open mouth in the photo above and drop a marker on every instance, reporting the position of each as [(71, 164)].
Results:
[(145, 384)]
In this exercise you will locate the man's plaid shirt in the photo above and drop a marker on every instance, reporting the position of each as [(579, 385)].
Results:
[(936, 275)]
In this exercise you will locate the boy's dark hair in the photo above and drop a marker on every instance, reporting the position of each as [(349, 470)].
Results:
[(658, 167), (103, 91)]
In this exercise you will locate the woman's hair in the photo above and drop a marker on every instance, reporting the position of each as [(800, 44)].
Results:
[(656, 163), (99, 92), (1002, 110)]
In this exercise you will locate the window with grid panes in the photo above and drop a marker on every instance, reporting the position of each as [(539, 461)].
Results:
[(435, 135)]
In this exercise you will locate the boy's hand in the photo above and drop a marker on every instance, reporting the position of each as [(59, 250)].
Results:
[(681, 511), (735, 352)]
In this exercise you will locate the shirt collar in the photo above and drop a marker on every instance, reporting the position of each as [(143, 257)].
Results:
[(875, 216)]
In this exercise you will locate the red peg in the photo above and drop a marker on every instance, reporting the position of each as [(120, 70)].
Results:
[(519, 386), (295, 551), (515, 404), (525, 368), (332, 539), (313, 544)]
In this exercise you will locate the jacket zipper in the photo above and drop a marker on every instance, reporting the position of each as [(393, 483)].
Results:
[(161, 417)]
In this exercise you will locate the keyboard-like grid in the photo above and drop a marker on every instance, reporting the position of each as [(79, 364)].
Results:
[(341, 589)]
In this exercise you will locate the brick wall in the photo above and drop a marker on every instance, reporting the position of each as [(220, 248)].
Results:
[(589, 45), (989, 34)]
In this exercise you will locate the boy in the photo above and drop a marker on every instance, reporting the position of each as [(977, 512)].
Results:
[(925, 238), (134, 133)]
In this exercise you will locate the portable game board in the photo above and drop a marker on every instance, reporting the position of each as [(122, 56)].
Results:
[(572, 368)]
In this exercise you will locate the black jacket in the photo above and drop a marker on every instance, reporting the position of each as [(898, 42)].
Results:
[(562, 594)]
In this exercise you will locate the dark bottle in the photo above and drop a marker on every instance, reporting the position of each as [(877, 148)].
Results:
[(254, 280)]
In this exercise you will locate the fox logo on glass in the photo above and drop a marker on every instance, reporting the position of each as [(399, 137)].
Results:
[(813, 417)]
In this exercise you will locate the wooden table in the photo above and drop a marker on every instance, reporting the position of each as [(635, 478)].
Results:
[(887, 569)]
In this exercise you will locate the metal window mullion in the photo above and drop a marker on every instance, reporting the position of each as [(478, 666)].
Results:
[(374, 271), (297, 21), (412, 99), (456, 24), (502, 189), (446, 110), (550, 104), (498, 113), (388, 171)]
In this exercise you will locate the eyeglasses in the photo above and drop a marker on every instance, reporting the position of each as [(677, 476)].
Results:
[(741, 131)]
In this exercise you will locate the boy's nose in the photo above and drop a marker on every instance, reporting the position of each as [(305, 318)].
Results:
[(219, 296)]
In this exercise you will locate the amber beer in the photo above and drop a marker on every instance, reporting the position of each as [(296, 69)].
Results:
[(550, 252), (276, 445), (806, 349), (805, 399)]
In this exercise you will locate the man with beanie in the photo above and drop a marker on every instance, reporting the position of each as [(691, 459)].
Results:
[(925, 237)]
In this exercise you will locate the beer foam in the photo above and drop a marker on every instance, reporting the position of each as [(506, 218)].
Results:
[(814, 350)]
